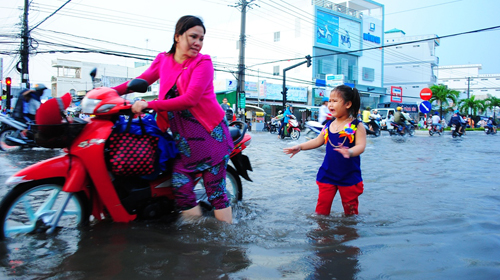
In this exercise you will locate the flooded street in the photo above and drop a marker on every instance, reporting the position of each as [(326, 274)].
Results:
[(430, 210)]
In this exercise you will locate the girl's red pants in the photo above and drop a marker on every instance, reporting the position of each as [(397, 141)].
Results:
[(348, 194)]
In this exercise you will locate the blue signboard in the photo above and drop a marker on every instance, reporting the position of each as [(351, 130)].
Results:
[(425, 107)]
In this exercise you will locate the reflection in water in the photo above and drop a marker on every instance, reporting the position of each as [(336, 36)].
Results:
[(334, 258), (122, 251), (118, 252)]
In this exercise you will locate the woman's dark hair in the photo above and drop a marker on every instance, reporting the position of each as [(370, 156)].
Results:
[(183, 24), (350, 94)]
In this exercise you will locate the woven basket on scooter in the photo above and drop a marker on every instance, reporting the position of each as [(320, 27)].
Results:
[(57, 135)]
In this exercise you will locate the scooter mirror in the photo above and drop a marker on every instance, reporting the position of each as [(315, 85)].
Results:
[(138, 85), (93, 73)]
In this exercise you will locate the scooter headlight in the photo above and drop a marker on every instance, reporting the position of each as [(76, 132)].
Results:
[(89, 105)]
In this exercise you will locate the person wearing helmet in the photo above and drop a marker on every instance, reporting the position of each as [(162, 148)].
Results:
[(286, 116), (324, 112), (436, 120), (366, 115), (28, 103), (492, 124), (277, 121), (399, 117), (456, 120)]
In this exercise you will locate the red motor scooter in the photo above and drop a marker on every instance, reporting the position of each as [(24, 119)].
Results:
[(291, 130), (74, 188)]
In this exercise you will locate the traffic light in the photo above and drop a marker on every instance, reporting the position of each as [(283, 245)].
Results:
[(8, 83), (308, 57)]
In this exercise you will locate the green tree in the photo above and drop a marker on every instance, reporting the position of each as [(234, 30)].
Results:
[(472, 104), (442, 95), (492, 103)]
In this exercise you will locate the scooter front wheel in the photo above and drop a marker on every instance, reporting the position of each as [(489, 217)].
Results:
[(4, 142), (32, 207)]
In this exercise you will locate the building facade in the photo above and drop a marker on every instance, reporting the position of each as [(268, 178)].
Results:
[(409, 66), (467, 80), (74, 76), (344, 39)]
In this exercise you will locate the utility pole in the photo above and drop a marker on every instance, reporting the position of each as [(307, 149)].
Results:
[(25, 44), (240, 92), (24, 51)]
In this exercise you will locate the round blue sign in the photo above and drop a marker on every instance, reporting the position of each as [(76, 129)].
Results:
[(425, 107)]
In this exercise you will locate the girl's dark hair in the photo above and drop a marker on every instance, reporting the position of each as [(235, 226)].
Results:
[(350, 94), (183, 24)]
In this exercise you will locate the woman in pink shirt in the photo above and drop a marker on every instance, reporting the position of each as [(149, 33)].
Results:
[(187, 104)]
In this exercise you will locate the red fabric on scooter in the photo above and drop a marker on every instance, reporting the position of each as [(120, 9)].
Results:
[(49, 112)]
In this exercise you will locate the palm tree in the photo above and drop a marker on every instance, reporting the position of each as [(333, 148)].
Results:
[(492, 102), (471, 103), (442, 94)]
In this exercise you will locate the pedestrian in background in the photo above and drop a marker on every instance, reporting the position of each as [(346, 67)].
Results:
[(345, 140)]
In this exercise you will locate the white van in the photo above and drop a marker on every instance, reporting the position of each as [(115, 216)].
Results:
[(384, 113)]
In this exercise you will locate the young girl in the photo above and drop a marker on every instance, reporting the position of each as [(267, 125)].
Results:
[(345, 140)]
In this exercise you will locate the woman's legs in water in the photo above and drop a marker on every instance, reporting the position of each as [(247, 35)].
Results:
[(214, 180), (215, 187)]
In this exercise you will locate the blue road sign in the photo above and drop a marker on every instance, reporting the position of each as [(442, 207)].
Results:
[(425, 107)]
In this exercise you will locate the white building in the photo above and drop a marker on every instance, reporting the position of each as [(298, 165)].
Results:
[(409, 65), (74, 76), (467, 80), (332, 32)]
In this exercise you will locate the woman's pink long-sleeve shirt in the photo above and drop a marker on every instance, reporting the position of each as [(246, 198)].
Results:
[(194, 79)]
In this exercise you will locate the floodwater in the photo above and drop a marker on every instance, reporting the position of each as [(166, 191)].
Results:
[(430, 210)]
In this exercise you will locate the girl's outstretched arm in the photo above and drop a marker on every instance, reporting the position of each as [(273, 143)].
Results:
[(359, 148), (311, 144)]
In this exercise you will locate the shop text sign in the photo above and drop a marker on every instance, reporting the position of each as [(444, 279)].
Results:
[(396, 94)]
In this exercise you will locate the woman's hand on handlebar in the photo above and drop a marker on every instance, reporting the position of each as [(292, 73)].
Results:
[(139, 106)]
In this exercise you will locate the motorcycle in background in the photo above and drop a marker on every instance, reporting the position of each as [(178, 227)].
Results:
[(292, 129), (272, 126), (65, 191), (433, 129), (313, 129), (375, 130), (489, 130), (11, 138), (454, 131)]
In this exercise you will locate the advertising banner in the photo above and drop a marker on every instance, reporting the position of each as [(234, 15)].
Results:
[(336, 32), (298, 94)]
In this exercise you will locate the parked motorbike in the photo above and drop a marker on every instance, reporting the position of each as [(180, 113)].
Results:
[(433, 129), (292, 129), (65, 191), (375, 124)]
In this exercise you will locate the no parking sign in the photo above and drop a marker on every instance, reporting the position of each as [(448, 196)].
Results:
[(425, 107)]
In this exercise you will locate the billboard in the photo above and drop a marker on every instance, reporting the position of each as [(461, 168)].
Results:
[(337, 33)]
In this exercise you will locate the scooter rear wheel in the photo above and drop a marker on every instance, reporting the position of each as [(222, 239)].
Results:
[(295, 134), (234, 188), (4, 142), (30, 208)]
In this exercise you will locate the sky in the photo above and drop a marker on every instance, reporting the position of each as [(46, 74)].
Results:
[(146, 27)]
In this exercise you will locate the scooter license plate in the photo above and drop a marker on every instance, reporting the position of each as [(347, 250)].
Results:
[(452, 128)]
